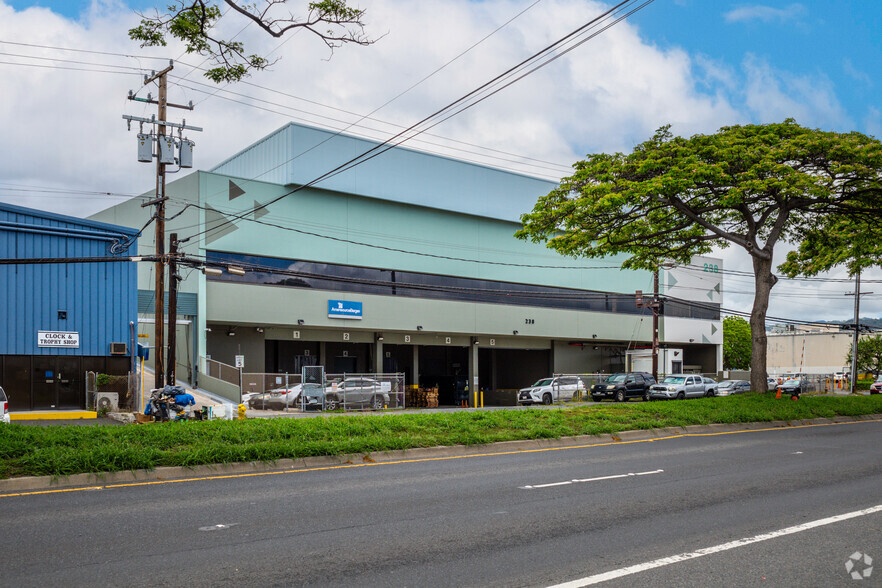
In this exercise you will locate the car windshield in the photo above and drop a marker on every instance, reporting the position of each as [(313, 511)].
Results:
[(674, 380), (543, 382), (791, 381), (728, 383), (615, 378)]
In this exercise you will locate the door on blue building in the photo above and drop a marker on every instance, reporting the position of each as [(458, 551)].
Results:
[(57, 383)]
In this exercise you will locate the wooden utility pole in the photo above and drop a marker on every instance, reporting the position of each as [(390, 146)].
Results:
[(164, 153), (655, 304), (159, 288), (173, 279)]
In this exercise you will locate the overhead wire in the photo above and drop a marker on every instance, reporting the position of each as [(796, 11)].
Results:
[(403, 135)]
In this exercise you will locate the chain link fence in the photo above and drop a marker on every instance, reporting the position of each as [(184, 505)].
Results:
[(111, 393), (347, 392)]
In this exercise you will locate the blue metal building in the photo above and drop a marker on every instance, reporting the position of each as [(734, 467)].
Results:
[(60, 318)]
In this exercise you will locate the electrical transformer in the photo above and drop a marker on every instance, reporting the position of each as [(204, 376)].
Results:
[(186, 153), (166, 149), (145, 148)]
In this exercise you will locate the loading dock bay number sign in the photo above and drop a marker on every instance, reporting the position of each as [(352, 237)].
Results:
[(64, 339)]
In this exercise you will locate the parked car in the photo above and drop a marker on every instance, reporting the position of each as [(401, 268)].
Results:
[(622, 386), (710, 386), (793, 386), (727, 387), (278, 398), (357, 392), (771, 383), (679, 386), (876, 387), (4, 404), (548, 390)]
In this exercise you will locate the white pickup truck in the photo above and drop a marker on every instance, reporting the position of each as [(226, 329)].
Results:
[(682, 386)]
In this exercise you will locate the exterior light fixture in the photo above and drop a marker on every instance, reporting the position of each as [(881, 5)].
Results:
[(260, 329), (235, 270), (692, 340), (594, 336), (419, 327), (299, 321), (379, 336), (514, 332), (231, 333)]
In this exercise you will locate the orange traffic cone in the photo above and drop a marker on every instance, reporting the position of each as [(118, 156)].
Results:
[(778, 395)]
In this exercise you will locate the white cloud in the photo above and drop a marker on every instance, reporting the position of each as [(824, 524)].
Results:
[(849, 68), (772, 95), (766, 14)]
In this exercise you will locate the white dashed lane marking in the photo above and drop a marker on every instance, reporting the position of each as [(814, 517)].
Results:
[(584, 480)]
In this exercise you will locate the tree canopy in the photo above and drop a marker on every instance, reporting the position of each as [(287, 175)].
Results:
[(193, 21), (752, 186), (869, 355), (736, 343)]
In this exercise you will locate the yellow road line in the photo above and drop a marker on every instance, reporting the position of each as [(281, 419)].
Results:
[(419, 460)]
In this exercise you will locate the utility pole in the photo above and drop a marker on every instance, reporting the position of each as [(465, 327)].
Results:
[(173, 279), (655, 326), (654, 305), (159, 266), (165, 154), (857, 329)]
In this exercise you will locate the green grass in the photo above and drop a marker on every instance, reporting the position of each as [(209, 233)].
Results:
[(66, 450)]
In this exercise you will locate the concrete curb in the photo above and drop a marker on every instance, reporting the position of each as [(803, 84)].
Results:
[(164, 474)]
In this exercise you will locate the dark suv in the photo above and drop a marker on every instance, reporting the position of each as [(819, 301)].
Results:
[(623, 386)]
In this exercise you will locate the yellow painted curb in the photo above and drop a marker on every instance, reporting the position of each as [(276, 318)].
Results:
[(55, 415)]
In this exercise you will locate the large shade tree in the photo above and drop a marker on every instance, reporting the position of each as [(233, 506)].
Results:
[(752, 186), (193, 22)]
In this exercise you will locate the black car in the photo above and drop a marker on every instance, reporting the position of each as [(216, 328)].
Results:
[(620, 387)]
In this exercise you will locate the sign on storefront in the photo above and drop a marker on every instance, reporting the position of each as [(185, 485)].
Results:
[(64, 339), (344, 309)]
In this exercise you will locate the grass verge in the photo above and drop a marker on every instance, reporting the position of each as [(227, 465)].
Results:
[(66, 450)]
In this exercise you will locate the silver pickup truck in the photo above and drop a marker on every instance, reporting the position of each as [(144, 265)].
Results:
[(682, 386)]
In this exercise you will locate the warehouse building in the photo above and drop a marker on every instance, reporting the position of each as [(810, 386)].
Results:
[(404, 263), (62, 319)]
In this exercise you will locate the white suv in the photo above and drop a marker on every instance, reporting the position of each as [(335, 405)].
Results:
[(4, 407), (548, 390)]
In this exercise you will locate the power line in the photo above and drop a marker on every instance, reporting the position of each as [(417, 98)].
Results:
[(401, 136), (55, 47)]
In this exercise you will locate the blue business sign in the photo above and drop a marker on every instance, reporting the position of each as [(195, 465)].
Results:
[(344, 309)]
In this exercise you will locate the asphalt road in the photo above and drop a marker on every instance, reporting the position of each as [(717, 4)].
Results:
[(526, 518)]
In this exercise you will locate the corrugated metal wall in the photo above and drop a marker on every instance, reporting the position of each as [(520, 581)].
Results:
[(100, 299)]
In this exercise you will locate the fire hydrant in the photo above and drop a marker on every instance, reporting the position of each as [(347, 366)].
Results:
[(241, 416)]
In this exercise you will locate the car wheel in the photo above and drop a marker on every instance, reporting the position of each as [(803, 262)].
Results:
[(377, 402), (620, 396), (681, 396), (646, 396), (331, 403), (546, 398), (710, 394)]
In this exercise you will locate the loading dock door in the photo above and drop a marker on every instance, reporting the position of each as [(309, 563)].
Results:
[(446, 367)]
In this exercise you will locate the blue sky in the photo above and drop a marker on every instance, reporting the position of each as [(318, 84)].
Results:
[(836, 40)]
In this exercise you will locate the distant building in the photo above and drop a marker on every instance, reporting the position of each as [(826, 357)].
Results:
[(60, 320), (820, 352)]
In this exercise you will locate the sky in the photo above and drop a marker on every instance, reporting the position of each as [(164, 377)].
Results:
[(67, 66)]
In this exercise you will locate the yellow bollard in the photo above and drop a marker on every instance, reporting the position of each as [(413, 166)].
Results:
[(482, 399)]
